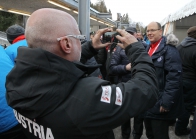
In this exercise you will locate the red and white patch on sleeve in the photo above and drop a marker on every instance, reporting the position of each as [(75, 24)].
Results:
[(106, 94), (118, 96)]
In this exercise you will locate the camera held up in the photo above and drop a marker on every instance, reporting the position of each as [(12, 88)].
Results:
[(110, 37)]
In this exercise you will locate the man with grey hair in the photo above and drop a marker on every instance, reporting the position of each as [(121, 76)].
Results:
[(188, 56), (51, 92)]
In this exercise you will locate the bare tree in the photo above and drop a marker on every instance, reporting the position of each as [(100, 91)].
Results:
[(100, 6)]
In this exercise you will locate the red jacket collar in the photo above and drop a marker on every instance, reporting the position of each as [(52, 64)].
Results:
[(19, 38)]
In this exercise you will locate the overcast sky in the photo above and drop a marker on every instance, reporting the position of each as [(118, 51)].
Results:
[(144, 11)]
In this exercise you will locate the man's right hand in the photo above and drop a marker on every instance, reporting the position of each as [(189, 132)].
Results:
[(125, 38)]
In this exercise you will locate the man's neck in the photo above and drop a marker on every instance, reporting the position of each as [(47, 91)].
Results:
[(156, 41)]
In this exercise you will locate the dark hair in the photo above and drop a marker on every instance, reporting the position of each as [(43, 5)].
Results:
[(159, 25), (191, 32), (92, 33)]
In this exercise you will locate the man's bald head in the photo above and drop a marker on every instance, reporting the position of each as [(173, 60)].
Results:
[(45, 25), (154, 31)]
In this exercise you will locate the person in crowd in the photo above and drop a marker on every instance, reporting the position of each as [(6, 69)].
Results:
[(92, 61), (101, 59), (121, 67), (15, 36), (9, 127), (104, 57), (168, 67), (146, 37), (188, 56), (92, 34), (146, 40), (51, 93), (140, 36)]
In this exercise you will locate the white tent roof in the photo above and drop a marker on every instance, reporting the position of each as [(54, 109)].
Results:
[(185, 11)]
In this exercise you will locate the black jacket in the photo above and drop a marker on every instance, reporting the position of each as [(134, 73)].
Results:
[(187, 50), (118, 63), (101, 59), (168, 66), (55, 98)]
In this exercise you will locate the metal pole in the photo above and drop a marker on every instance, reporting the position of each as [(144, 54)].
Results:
[(25, 20), (120, 22), (140, 27), (84, 17)]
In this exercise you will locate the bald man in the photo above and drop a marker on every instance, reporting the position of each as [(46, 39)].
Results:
[(168, 66), (50, 90)]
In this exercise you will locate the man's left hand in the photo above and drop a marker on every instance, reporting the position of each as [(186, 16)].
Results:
[(96, 40)]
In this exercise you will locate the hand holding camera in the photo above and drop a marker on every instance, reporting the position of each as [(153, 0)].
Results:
[(125, 38), (121, 37), (96, 41)]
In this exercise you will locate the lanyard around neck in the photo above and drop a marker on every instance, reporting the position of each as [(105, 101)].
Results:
[(155, 48)]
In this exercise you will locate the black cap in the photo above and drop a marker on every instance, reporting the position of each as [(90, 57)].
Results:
[(131, 29), (13, 32)]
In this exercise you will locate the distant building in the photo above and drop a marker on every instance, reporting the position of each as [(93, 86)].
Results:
[(180, 21)]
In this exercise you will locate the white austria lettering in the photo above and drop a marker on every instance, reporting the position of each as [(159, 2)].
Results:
[(23, 121), (29, 124), (38, 130), (49, 134), (42, 132)]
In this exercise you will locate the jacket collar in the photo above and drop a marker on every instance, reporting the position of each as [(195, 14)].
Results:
[(38, 56), (159, 49)]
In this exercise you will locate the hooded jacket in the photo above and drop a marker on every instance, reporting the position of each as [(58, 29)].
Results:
[(7, 119), (56, 99), (168, 67), (12, 49), (187, 50)]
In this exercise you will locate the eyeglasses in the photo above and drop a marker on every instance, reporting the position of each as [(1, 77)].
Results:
[(79, 37), (151, 30)]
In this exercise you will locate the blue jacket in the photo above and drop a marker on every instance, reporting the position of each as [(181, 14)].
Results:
[(118, 65), (7, 118), (168, 67), (12, 49)]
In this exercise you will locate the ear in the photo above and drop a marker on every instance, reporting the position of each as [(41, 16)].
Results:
[(65, 45)]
